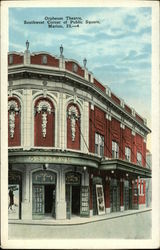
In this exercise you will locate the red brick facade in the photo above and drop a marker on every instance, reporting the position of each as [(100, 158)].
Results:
[(17, 59), (51, 61), (70, 66), (112, 131)]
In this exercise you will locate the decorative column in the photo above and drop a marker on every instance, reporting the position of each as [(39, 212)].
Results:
[(26, 198), (107, 194), (121, 194), (60, 201), (27, 119)]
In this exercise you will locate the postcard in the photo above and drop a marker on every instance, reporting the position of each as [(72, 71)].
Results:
[(80, 144)]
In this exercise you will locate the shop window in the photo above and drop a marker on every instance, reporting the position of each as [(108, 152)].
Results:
[(139, 158), (44, 59), (127, 154), (99, 144), (115, 150)]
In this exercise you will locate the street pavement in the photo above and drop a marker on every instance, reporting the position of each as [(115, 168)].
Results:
[(133, 226)]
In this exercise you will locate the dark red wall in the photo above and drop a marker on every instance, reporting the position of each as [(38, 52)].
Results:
[(69, 66), (16, 140), (97, 124), (99, 85), (39, 140), (76, 143), (127, 109), (112, 131), (17, 59), (51, 61), (115, 98)]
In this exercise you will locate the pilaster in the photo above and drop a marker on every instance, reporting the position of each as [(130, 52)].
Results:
[(61, 202), (27, 121), (26, 199)]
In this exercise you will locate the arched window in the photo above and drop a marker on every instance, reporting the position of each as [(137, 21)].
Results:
[(14, 120), (73, 127), (44, 123)]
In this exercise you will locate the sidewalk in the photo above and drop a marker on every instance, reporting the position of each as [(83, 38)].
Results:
[(75, 220)]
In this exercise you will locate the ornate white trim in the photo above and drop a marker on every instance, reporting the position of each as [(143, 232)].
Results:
[(13, 110), (45, 107), (73, 116)]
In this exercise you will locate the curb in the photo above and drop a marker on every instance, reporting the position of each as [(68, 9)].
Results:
[(85, 221)]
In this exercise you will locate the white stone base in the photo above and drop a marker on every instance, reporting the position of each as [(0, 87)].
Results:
[(26, 211), (121, 208), (108, 210), (61, 210), (142, 206), (91, 213)]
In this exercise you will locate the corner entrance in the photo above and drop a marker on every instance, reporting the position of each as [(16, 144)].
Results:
[(44, 194), (73, 200), (76, 200), (49, 205), (73, 189)]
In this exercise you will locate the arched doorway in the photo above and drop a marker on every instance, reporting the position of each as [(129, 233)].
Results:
[(73, 190), (44, 193)]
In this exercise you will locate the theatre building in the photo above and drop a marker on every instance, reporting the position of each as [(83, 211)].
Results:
[(74, 147)]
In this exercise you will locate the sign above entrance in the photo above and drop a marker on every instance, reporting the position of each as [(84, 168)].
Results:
[(73, 178), (44, 177)]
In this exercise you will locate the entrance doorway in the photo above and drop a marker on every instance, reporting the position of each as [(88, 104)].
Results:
[(76, 200), (44, 193), (73, 200), (115, 198), (44, 199), (126, 198), (49, 199)]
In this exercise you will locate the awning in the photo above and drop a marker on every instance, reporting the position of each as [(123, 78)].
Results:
[(126, 167)]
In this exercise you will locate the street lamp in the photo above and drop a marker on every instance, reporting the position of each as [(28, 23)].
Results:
[(84, 168)]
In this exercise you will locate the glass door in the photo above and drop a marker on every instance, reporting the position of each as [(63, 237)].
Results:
[(38, 199)]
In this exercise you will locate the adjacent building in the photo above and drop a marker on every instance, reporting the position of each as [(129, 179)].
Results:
[(75, 148)]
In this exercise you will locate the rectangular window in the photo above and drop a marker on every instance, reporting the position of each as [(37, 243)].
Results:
[(127, 154), (115, 150), (139, 158), (99, 144)]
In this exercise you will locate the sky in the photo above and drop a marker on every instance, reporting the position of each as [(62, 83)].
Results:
[(117, 47)]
